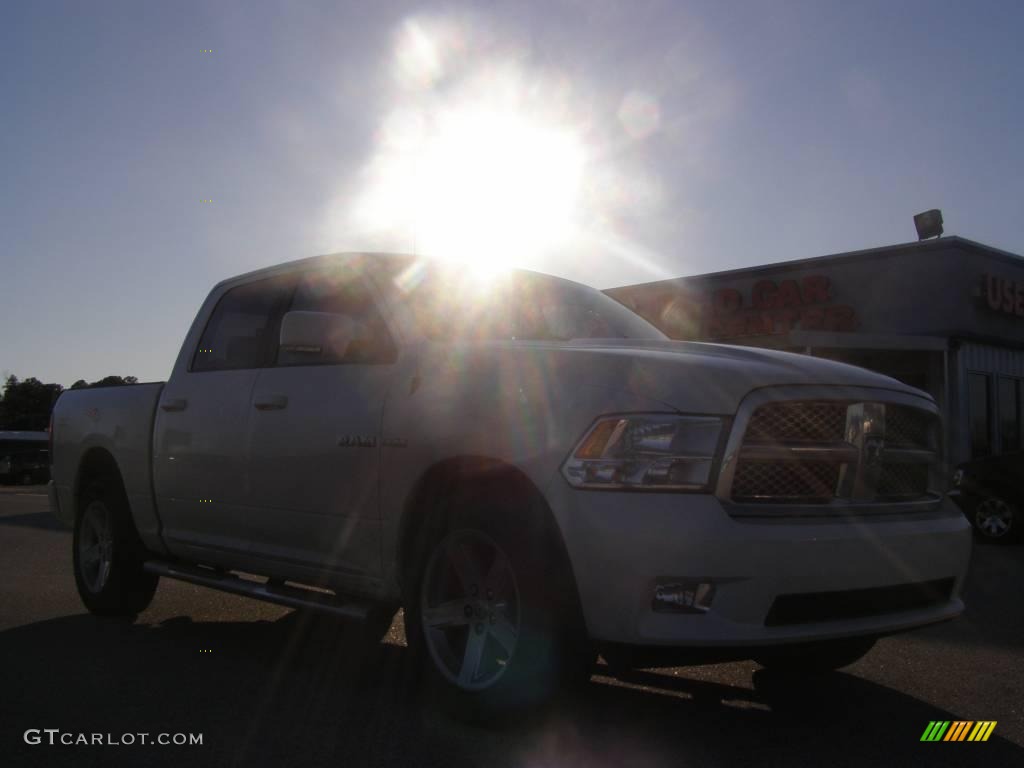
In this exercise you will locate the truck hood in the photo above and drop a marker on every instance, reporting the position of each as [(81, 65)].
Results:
[(695, 377)]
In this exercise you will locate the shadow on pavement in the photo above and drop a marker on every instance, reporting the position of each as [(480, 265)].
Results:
[(302, 690)]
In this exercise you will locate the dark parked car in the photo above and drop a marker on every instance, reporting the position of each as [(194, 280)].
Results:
[(24, 457), (990, 491)]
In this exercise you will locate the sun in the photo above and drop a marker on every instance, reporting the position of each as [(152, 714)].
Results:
[(482, 184), (496, 182), (489, 171)]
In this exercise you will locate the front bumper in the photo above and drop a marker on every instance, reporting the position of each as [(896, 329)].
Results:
[(622, 544)]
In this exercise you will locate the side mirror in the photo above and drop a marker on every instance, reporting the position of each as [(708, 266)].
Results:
[(314, 336)]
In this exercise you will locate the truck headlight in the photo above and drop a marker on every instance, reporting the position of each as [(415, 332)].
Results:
[(657, 452)]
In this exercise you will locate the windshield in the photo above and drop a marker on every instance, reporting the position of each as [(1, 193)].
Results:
[(451, 306)]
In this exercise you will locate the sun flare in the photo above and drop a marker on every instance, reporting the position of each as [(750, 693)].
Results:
[(487, 159)]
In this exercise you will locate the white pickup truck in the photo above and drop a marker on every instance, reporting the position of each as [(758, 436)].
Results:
[(533, 472)]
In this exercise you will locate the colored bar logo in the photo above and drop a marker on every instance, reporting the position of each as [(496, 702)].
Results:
[(958, 730)]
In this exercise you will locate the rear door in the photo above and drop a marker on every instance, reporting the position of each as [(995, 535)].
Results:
[(201, 431), (315, 435)]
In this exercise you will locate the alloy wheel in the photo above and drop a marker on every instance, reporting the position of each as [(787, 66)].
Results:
[(95, 546), (994, 518), (470, 609)]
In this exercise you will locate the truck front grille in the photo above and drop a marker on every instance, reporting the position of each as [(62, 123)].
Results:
[(819, 451), (792, 481), (907, 426), (798, 421), (903, 481)]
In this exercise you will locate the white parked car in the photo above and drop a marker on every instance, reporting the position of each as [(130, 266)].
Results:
[(533, 472)]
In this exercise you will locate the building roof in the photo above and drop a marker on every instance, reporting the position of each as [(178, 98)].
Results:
[(883, 252)]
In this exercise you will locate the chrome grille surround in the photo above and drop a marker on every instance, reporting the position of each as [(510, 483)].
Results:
[(831, 450)]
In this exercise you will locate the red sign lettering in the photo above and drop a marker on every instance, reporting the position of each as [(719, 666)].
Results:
[(777, 308), (1004, 295)]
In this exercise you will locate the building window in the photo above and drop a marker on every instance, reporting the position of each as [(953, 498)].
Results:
[(978, 409), (1009, 414)]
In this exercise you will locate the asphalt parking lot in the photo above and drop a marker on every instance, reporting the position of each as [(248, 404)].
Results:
[(266, 686)]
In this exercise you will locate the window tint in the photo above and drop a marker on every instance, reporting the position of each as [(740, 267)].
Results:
[(978, 395), (1009, 414), (241, 327), (342, 294)]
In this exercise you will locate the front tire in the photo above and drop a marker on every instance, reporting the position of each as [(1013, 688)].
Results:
[(108, 557), (808, 659), (489, 615)]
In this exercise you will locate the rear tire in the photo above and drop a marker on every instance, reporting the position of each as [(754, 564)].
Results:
[(808, 659), (108, 555), (489, 614)]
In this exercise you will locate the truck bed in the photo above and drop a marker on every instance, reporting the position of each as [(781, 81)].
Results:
[(117, 421)]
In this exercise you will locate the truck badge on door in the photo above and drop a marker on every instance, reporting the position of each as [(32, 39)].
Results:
[(357, 441)]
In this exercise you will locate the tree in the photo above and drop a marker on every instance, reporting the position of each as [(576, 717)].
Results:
[(26, 405), (112, 381)]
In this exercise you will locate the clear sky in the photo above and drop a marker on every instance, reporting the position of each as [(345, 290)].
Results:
[(607, 142)]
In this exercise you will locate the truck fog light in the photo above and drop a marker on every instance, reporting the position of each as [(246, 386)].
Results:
[(683, 597)]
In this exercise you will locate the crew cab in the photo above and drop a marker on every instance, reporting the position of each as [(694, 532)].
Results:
[(531, 471)]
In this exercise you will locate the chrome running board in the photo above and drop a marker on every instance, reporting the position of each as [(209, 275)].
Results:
[(270, 591)]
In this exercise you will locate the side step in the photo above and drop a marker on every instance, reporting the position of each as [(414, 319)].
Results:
[(268, 591)]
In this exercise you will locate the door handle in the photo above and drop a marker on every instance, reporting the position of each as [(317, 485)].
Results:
[(270, 402), (174, 404)]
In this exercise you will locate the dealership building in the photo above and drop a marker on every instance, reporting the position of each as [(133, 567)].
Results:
[(944, 315)]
